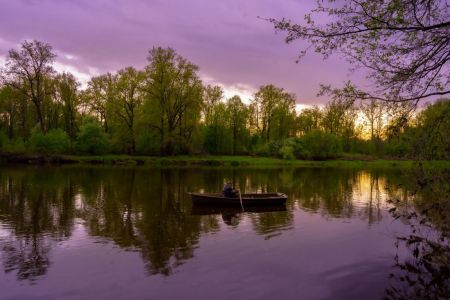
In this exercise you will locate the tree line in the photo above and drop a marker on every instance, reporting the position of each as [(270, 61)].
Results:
[(165, 109)]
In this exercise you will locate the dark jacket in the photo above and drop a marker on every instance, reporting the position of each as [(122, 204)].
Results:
[(228, 190)]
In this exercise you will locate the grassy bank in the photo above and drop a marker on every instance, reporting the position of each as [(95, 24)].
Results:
[(233, 161)]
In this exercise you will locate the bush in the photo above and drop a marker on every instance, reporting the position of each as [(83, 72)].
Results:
[(11, 145), (367, 147), (147, 144), (55, 141), (92, 139), (16, 145), (298, 148), (320, 145), (274, 148), (4, 141), (287, 152), (262, 150), (397, 149)]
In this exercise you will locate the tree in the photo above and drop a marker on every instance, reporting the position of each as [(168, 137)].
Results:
[(268, 102), (403, 44), (321, 145), (99, 93), (27, 70), (375, 117), (339, 119), (308, 119), (67, 96), (432, 140), (174, 95), (371, 113), (333, 116), (14, 113), (8, 108), (283, 121), (92, 139), (216, 138), (128, 94), (237, 113), (211, 96)]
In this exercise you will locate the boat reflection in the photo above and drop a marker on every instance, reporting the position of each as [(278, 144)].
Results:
[(215, 210), (232, 215)]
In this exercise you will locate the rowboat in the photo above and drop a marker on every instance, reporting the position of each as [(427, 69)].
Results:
[(247, 199)]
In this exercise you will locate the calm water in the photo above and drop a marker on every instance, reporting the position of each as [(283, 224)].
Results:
[(132, 233)]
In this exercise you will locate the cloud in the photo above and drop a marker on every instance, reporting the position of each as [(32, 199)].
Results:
[(226, 39), (82, 77)]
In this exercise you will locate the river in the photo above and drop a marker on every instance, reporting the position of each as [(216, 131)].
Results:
[(131, 233)]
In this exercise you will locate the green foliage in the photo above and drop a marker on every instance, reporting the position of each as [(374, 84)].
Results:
[(66, 86), (320, 145), (54, 141), (11, 145), (16, 145), (173, 99), (262, 150), (399, 39), (366, 147), (4, 141), (298, 148), (164, 109), (397, 149), (287, 152), (92, 139), (147, 144), (213, 142), (273, 111), (274, 148), (432, 138), (177, 146)]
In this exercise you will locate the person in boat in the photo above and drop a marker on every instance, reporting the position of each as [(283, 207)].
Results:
[(229, 191)]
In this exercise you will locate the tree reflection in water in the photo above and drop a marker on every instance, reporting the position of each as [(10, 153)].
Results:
[(37, 211), (149, 210), (424, 272)]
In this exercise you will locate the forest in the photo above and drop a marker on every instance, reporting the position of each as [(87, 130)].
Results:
[(166, 109)]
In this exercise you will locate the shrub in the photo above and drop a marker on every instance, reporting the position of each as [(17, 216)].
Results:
[(262, 150), (55, 141), (4, 141), (274, 148), (287, 152), (298, 148), (147, 144), (397, 149), (16, 145), (321, 145), (92, 139)]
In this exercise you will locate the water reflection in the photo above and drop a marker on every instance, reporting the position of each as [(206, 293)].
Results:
[(148, 210), (37, 211), (423, 267)]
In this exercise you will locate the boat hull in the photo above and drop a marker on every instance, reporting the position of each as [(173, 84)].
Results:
[(247, 199)]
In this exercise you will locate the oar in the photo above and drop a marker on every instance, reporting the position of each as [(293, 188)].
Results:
[(240, 198)]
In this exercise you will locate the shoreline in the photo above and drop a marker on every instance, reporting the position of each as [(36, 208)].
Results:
[(207, 160)]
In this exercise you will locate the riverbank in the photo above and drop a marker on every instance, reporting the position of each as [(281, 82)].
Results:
[(209, 160)]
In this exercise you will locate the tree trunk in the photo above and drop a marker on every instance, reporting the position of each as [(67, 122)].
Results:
[(161, 140), (234, 139), (40, 118)]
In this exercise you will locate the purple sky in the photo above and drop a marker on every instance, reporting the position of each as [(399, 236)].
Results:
[(225, 39)]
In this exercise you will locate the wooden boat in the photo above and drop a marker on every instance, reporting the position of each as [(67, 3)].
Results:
[(247, 199)]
